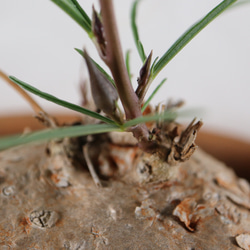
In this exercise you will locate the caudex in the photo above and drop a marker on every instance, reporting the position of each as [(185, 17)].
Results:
[(164, 138)]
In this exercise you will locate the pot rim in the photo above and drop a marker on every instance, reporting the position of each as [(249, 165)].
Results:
[(234, 152)]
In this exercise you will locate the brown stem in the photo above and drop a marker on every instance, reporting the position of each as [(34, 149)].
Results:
[(115, 61)]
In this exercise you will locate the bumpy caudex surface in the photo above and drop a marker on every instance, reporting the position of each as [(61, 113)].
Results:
[(49, 201)]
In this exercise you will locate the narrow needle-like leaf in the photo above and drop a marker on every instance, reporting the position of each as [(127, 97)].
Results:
[(135, 32), (73, 9), (189, 35), (81, 10), (239, 4), (163, 116), (36, 107), (141, 51), (40, 113), (153, 94), (60, 102), (57, 133), (150, 118), (128, 63)]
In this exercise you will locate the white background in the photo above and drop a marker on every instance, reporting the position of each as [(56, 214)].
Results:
[(212, 72)]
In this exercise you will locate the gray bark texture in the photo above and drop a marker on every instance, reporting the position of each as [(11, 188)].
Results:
[(49, 202)]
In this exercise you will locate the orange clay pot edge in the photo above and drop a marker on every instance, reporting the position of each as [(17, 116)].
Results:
[(235, 153)]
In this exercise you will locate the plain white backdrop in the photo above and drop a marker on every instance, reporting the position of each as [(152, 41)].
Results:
[(37, 42)]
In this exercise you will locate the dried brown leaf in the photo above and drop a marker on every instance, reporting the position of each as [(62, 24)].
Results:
[(98, 31), (104, 93), (143, 80)]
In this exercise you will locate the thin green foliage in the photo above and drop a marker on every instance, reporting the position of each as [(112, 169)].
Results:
[(127, 61), (138, 43), (151, 118), (73, 9), (83, 130), (56, 133), (60, 102), (99, 67), (239, 4), (189, 35), (141, 51), (153, 94), (83, 13), (153, 65), (168, 115)]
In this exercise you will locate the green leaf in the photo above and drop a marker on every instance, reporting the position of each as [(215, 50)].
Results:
[(57, 133), (128, 63), (83, 13), (239, 4), (164, 116), (74, 10), (60, 102), (152, 95), (149, 118), (153, 65), (189, 35), (135, 31), (141, 51), (98, 66)]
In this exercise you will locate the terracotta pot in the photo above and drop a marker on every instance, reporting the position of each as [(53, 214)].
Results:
[(233, 152)]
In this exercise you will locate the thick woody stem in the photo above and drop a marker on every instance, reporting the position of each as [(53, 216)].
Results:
[(115, 61)]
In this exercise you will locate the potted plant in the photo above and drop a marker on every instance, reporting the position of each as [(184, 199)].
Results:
[(125, 176)]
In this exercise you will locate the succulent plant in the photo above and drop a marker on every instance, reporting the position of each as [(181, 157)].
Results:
[(108, 90), (131, 149)]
